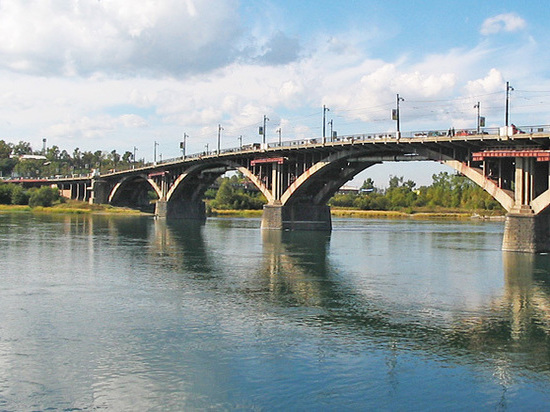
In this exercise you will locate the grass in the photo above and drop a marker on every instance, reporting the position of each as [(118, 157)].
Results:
[(416, 214), (71, 207), (79, 207)]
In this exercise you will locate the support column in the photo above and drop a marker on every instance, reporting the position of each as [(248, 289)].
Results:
[(99, 192), (180, 209), (526, 233), (297, 217)]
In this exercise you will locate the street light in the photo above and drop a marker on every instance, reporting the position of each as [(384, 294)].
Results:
[(396, 116), (508, 90), (183, 145), (220, 128), (279, 132), (134, 158), (240, 139), (262, 129), (155, 153), (476, 106), (325, 110), (331, 132)]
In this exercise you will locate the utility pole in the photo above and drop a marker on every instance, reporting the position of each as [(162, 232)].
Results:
[(508, 90), (476, 106), (183, 145), (220, 128), (325, 110), (263, 130), (397, 116)]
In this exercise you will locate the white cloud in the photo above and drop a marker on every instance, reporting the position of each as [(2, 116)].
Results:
[(508, 22), (491, 83), (120, 36)]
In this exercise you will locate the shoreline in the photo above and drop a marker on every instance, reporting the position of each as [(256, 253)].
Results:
[(65, 208)]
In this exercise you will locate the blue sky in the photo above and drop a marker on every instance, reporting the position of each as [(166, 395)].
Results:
[(114, 74)]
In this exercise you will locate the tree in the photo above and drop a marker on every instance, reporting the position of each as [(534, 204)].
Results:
[(5, 150), (44, 196), (22, 148)]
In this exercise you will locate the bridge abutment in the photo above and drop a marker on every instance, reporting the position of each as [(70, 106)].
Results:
[(100, 192), (527, 233), (297, 217), (180, 209)]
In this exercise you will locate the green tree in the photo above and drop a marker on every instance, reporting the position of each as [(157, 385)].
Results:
[(5, 194), (44, 196), (5, 150), (19, 196)]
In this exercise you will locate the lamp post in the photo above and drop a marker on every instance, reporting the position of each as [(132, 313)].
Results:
[(263, 130), (331, 132), (476, 106), (183, 145), (134, 158), (279, 133), (508, 90), (325, 110), (155, 153), (240, 138), (206, 147), (397, 116), (220, 128)]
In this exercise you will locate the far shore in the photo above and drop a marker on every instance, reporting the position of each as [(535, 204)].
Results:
[(73, 207)]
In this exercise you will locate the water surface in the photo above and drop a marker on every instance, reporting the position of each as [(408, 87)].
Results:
[(132, 313)]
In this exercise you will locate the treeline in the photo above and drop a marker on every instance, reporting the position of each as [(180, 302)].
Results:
[(448, 191), (12, 194), (59, 162), (235, 193)]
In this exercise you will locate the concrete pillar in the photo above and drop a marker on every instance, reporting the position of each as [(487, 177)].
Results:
[(297, 217), (100, 192), (180, 209), (526, 233)]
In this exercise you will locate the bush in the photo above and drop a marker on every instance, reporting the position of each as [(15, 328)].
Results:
[(5, 194), (19, 196), (45, 196)]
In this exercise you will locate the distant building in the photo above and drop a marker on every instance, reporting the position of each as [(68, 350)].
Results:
[(345, 190), (28, 157)]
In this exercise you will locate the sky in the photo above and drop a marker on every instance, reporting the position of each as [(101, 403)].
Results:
[(124, 74)]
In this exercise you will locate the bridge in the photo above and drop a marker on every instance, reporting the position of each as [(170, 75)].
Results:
[(298, 177)]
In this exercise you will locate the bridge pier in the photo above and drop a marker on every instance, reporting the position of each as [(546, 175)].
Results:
[(297, 217), (180, 209), (99, 192), (527, 233)]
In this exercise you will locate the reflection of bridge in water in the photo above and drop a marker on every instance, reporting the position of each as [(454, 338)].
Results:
[(295, 270), (299, 177)]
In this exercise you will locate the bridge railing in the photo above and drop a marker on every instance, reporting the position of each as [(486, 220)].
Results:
[(311, 142)]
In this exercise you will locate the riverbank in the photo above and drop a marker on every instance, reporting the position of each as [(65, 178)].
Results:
[(390, 214), (70, 207), (77, 207)]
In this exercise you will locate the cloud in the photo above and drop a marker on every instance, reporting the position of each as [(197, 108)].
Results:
[(508, 22), (117, 36)]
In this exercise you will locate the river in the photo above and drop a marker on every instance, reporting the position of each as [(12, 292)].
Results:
[(129, 313)]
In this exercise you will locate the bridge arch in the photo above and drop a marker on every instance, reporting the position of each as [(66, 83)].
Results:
[(321, 181), (133, 191)]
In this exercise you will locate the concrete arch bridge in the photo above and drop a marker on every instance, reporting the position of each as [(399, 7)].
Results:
[(299, 177)]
